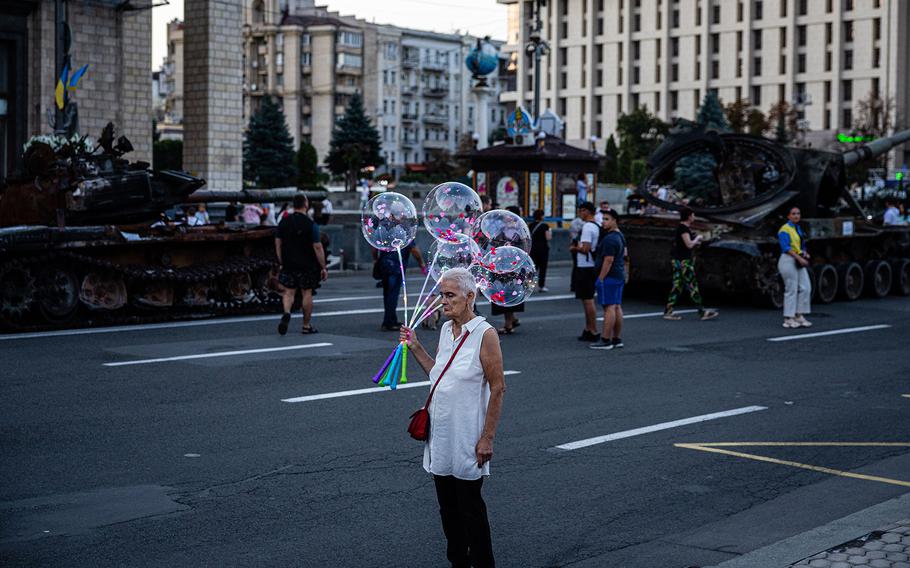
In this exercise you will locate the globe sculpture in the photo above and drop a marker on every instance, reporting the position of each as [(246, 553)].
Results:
[(482, 60)]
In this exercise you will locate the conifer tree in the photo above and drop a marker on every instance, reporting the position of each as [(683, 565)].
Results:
[(611, 162), (694, 174), (355, 143), (268, 149), (307, 163)]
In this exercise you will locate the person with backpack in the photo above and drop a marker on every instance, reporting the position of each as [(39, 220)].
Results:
[(301, 261), (540, 248), (584, 274), (684, 268), (611, 279)]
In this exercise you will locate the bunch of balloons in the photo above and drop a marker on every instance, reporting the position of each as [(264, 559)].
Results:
[(494, 246)]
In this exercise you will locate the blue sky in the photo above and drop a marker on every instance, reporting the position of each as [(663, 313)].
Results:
[(478, 17)]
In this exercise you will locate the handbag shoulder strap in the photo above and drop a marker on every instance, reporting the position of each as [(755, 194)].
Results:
[(446, 368)]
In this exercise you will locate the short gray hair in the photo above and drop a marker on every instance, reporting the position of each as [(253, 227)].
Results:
[(462, 278)]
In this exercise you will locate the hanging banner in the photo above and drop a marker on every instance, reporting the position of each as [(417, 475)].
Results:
[(548, 194), (533, 192), (481, 183)]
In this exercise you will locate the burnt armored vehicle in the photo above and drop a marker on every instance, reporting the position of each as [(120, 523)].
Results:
[(84, 240), (741, 188)]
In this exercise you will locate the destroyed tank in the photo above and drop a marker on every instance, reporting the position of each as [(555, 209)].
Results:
[(84, 240), (741, 189)]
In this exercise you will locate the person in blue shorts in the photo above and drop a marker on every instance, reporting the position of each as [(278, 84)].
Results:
[(611, 277)]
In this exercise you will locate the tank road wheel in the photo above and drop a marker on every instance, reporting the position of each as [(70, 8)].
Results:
[(826, 282), (878, 278), (851, 280), (772, 296), (58, 293), (900, 281), (240, 287), (103, 291), (17, 291), (155, 294)]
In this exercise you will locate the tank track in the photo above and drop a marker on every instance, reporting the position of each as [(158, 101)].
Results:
[(260, 299)]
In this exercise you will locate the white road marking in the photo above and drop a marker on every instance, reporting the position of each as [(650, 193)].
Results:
[(224, 321), (354, 392), (657, 427), (832, 332), (218, 354), (651, 314)]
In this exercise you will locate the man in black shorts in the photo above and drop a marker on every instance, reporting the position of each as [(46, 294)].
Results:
[(584, 274), (302, 262)]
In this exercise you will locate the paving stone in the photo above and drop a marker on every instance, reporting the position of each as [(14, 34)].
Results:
[(837, 557), (897, 557), (874, 545), (819, 563), (857, 560), (900, 565), (879, 563), (891, 538), (841, 565), (874, 554), (892, 547), (853, 551)]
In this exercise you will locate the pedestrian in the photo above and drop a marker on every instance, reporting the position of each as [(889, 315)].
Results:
[(364, 192), (390, 271), (892, 215), (464, 405), (202, 216), (540, 248), (581, 187), (794, 269), (508, 312), (584, 274), (268, 214), (189, 217), (252, 214), (611, 279), (601, 210), (301, 260), (684, 268), (485, 203), (327, 211), (230, 212)]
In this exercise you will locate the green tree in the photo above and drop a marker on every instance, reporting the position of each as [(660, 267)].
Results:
[(737, 115), (611, 162), (307, 163), (783, 123), (694, 174), (756, 123), (640, 133), (268, 149), (355, 143), (167, 155)]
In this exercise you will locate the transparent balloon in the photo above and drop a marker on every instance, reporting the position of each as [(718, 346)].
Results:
[(459, 252), (500, 228), (449, 209), (389, 221), (506, 277)]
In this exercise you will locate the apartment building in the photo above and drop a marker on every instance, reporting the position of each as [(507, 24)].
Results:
[(610, 56), (170, 124), (414, 84)]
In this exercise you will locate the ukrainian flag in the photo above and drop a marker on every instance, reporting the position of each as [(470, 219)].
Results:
[(60, 91)]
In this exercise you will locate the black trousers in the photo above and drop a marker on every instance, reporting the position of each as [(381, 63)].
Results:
[(541, 260), (464, 522)]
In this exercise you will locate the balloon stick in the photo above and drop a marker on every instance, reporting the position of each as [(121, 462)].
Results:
[(385, 365), (404, 283)]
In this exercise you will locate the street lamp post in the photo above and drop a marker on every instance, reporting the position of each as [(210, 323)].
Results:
[(537, 47)]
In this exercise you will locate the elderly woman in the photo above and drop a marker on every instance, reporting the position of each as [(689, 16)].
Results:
[(464, 412), (794, 269)]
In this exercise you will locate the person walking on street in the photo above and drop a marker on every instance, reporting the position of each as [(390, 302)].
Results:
[(390, 271), (684, 268), (611, 279), (581, 187), (794, 269), (252, 214), (465, 404), (540, 248), (602, 209), (584, 274), (301, 260), (510, 320)]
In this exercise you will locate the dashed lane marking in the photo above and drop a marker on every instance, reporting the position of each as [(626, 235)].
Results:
[(339, 394), (716, 447), (218, 354), (651, 314), (657, 427), (831, 332)]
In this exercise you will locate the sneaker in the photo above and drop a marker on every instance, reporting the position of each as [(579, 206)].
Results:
[(803, 322), (708, 315), (617, 343), (283, 324), (671, 316), (395, 327), (588, 336), (603, 344), (544, 289), (790, 323)]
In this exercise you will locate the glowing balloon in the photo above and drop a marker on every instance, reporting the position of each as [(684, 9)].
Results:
[(459, 252), (499, 228), (450, 208), (389, 221), (506, 277)]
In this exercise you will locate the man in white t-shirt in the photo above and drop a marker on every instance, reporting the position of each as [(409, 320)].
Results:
[(584, 274), (892, 214)]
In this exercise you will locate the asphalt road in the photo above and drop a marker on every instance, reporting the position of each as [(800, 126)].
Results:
[(201, 460)]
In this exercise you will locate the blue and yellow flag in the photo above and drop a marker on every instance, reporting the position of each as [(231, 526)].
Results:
[(74, 80), (59, 92)]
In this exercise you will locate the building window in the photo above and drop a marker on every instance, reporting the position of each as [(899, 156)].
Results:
[(848, 59), (674, 47), (562, 106), (848, 5), (848, 32), (305, 58), (829, 6), (715, 43), (783, 64), (636, 75), (698, 70), (876, 57), (847, 121), (600, 77), (801, 35), (715, 14), (756, 96), (827, 91), (756, 39), (349, 60), (783, 37), (847, 90), (675, 18), (801, 63), (756, 66), (715, 69), (674, 101), (829, 32), (875, 86), (634, 101), (739, 11), (783, 8), (739, 67), (279, 59), (391, 50), (350, 39), (757, 10), (279, 80), (305, 39), (636, 23), (636, 50), (876, 29), (674, 72), (802, 8)]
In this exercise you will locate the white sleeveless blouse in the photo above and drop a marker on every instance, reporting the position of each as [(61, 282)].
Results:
[(459, 406)]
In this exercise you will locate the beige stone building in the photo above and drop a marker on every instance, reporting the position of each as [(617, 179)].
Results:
[(610, 56), (115, 43), (414, 84)]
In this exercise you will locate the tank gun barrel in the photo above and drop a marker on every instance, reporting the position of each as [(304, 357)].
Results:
[(876, 148), (252, 195)]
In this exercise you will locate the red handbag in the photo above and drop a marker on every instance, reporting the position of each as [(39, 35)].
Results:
[(419, 428)]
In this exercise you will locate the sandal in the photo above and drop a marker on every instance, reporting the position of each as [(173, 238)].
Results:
[(309, 330), (515, 323), (504, 331)]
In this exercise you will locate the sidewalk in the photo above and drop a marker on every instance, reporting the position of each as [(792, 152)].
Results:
[(888, 547)]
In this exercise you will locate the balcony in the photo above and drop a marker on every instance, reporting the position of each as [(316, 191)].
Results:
[(408, 116), (410, 62), (408, 141), (435, 144), (348, 70), (436, 118), (434, 65), (438, 91), (347, 89), (410, 90)]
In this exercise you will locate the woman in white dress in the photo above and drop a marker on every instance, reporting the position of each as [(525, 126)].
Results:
[(464, 412)]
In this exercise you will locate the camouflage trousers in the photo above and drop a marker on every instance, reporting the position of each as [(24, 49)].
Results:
[(684, 279)]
